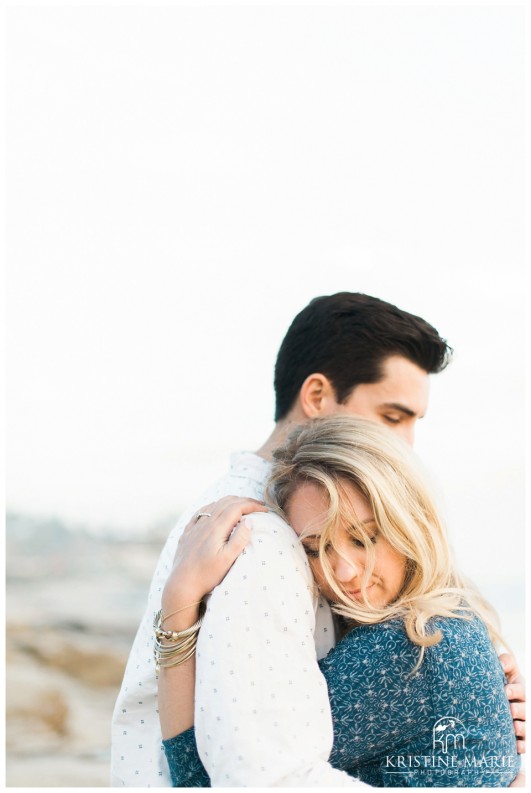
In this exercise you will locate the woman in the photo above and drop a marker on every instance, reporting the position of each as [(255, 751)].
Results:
[(415, 686)]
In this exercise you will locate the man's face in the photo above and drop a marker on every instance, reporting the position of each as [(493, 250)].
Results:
[(398, 400)]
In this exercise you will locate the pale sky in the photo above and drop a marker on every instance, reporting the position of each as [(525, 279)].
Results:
[(183, 179)]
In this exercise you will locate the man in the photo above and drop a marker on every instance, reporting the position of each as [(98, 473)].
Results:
[(344, 353)]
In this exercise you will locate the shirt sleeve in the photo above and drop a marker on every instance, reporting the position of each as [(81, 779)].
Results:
[(186, 769), (262, 715)]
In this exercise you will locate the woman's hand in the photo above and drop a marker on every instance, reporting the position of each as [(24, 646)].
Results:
[(207, 549)]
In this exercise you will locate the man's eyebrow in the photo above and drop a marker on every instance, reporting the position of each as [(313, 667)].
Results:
[(401, 408)]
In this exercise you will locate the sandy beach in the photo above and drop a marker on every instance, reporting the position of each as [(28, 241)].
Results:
[(74, 601)]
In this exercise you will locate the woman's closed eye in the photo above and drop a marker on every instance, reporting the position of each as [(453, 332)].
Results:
[(359, 542), (313, 551)]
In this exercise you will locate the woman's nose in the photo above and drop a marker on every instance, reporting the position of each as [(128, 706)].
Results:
[(345, 567)]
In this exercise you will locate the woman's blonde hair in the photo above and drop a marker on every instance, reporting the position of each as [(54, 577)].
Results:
[(342, 449)]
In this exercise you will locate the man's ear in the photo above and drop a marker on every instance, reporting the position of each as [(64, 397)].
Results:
[(317, 397)]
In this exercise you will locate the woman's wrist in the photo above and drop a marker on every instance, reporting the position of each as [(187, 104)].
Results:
[(180, 609)]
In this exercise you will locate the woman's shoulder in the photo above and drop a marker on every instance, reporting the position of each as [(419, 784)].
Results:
[(461, 631), (465, 646), (461, 639)]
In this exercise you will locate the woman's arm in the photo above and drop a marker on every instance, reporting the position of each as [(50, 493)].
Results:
[(207, 549), (384, 711)]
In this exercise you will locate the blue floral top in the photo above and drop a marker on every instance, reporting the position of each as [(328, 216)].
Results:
[(447, 724)]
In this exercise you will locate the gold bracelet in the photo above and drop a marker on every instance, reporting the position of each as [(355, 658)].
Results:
[(173, 656), (168, 663), (175, 636), (173, 613), (183, 643)]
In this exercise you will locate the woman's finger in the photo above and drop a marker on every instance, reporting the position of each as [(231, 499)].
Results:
[(210, 529), (519, 729), (238, 540), (224, 524), (193, 520), (512, 673), (226, 513), (515, 692)]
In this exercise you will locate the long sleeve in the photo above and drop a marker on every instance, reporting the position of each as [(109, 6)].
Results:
[(186, 769), (262, 715)]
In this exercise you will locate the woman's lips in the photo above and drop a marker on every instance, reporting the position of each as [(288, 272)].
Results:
[(356, 593)]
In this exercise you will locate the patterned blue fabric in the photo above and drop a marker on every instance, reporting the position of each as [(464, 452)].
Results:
[(186, 768), (448, 724)]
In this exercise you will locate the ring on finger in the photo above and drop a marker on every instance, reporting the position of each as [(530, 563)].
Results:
[(203, 515)]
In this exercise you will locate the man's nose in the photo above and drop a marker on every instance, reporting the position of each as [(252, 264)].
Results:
[(407, 432)]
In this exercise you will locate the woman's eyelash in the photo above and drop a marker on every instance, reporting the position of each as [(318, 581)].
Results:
[(313, 553), (357, 541)]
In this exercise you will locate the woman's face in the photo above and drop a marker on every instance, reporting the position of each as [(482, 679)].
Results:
[(306, 512)]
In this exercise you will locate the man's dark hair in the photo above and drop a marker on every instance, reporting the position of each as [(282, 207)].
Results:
[(347, 337)]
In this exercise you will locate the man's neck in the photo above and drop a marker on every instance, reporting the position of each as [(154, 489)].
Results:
[(277, 437)]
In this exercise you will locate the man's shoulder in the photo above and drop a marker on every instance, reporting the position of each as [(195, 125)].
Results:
[(270, 579), (273, 549), (271, 529), (246, 476), (270, 523)]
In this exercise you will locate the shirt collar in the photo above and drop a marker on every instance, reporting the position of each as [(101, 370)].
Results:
[(249, 465)]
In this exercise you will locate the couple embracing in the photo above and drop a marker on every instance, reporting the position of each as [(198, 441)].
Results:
[(312, 628)]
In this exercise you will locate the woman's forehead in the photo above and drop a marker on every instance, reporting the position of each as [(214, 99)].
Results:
[(308, 506)]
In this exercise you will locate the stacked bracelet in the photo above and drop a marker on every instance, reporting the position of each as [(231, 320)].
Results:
[(183, 643)]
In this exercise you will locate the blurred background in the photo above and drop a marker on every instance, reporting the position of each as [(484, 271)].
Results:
[(181, 180)]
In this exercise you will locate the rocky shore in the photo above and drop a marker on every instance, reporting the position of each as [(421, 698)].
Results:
[(74, 601)]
